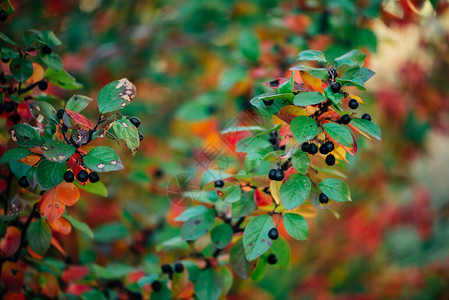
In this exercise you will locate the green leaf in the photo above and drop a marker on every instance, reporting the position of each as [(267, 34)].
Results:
[(255, 237), (339, 133), (242, 128), (294, 191), (311, 55), (21, 69), (279, 101), (208, 285), (356, 77), (39, 236), (62, 79), (97, 188), (52, 60), (308, 98), (8, 53), (301, 162), (281, 250), (82, 227), (78, 102), (93, 294), (7, 39), (50, 174), (303, 129), (238, 263), (249, 45), (352, 58), (243, 207), (49, 38), (197, 226), (116, 95), (296, 226), (335, 189), (221, 235), (103, 159), (287, 87), (25, 135), (254, 158), (42, 112), (19, 169), (232, 193), (252, 144), (335, 98), (57, 151), (123, 129), (367, 127), (15, 154), (191, 212), (321, 73), (111, 232)]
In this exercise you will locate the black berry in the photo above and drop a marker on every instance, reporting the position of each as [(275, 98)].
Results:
[(43, 85), (156, 285), (366, 117), (330, 160), (353, 104), (323, 149), (5, 60), (135, 121), (23, 182), (94, 177), (273, 233), (179, 267), (272, 174), (323, 198), (279, 175), (330, 146), (272, 260), (15, 118), (313, 149), (9, 106), (211, 109), (69, 176), (345, 119), (335, 87), (60, 113), (46, 50), (273, 140), (82, 176), (158, 173), (282, 147), (305, 147), (219, 183), (3, 15), (140, 136), (268, 102), (166, 269)]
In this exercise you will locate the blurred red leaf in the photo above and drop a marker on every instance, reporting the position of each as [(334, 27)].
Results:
[(11, 242)]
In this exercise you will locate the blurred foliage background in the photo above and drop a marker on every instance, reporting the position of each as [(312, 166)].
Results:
[(196, 64)]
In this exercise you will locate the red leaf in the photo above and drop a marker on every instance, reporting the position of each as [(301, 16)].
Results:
[(261, 198), (61, 225), (13, 296), (79, 119), (74, 273), (33, 254), (77, 289), (58, 246), (11, 242), (51, 207), (12, 276)]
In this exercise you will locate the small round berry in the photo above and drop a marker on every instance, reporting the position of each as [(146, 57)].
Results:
[(9, 106), (330, 146), (46, 50), (140, 136), (15, 118), (82, 176), (313, 149), (273, 140), (219, 183), (156, 285), (272, 260), (43, 85), (135, 121), (353, 104), (166, 269), (273, 233), (272, 174), (305, 147), (323, 198), (60, 113), (282, 147), (179, 268), (1, 108), (94, 177), (5, 60), (268, 102), (68, 259), (345, 119), (323, 149), (69, 176), (64, 127), (335, 87), (366, 117), (3, 15), (330, 160), (158, 173), (279, 175), (23, 182), (211, 109)]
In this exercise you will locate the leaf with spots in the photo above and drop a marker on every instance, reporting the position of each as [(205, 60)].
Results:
[(50, 174), (62, 79), (57, 151), (52, 60), (255, 237), (116, 95), (26, 135), (12, 277), (303, 129), (39, 236), (103, 159), (78, 102), (197, 226), (61, 225), (221, 235), (123, 129), (78, 118), (42, 112), (50, 206), (21, 69), (11, 241)]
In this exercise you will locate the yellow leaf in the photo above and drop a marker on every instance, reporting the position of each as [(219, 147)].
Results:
[(312, 83), (359, 100), (340, 154), (274, 189)]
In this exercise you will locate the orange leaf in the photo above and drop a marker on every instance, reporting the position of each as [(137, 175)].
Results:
[(12, 276), (11, 242), (355, 129), (333, 115), (58, 246), (312, 83), (31, 159), (33, 254), (74, 273), (289, 112), (61, 225), (38, 74), (67, 193), (51, 207), (261, 198), (50, 286)]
